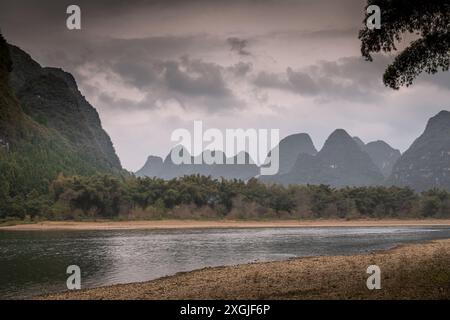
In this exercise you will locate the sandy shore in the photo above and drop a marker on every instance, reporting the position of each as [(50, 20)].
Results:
[(418, 271), (192, 224)]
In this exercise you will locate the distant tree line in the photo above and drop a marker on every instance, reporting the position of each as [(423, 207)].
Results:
[(112, 197)]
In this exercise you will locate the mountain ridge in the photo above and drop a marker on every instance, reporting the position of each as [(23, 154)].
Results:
[(381, 153), (156, 167), (426, 163), (339, 163)]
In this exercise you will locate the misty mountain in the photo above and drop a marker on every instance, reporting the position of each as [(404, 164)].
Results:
[(359, 142), (381, 153), (152, 167), (340, 162), (167, 169), (290, 148), (426, 164)]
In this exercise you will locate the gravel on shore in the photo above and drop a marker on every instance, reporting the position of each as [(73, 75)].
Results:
[(413, 271)]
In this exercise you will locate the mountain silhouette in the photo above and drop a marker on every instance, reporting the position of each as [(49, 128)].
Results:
[(381, 153), (426, 164), (340, 162), (225, 167), (289, 150)]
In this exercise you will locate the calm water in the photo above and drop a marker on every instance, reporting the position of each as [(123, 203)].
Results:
[(34, 263)]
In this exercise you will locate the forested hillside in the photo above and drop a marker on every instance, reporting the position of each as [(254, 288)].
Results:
[(34, 148), (50, 96)]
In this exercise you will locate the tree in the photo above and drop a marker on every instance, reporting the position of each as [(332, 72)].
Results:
[(429, 20)]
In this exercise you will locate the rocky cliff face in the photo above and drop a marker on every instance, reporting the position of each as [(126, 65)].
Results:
[(46, 128), (426, 164), (51, 97)]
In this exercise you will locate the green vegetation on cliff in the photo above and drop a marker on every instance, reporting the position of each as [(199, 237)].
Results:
[(32, 154)]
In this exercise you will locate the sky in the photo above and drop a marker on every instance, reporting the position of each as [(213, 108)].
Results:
[(152, 66)]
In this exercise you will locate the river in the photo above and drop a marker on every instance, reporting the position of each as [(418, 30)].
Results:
[(35, 262)]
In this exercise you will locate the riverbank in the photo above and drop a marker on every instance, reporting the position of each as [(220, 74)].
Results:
[(416, 271), (208, 224)]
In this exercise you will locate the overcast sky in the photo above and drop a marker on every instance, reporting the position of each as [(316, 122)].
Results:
[(150, 67)]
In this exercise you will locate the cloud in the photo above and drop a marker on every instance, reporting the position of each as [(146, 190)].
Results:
[(349, 78), (440, 79), (192, 83), (272, 80), (302, 83), (137, 74), (196, 78), (241, 69), (239, 46)]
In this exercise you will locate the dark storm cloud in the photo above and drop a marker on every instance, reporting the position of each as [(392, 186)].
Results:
[(298, 82), (116, 6), (239, 46), (151, 63), (307, 35), (192, 83), (124, 104), (136, 74), (304, 84), (198, 84), (241, 69), (154, 61), (133, 51), (196, 78), (272, 80), (348, 78)]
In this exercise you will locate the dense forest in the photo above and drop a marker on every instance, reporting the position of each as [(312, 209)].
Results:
[(113, 197)]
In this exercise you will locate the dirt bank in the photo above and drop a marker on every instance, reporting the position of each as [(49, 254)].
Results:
[(190, 224)]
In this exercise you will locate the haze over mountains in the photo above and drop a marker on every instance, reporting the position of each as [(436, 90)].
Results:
[(166, 169), (291, 147), (343, 161), (340, 162)]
